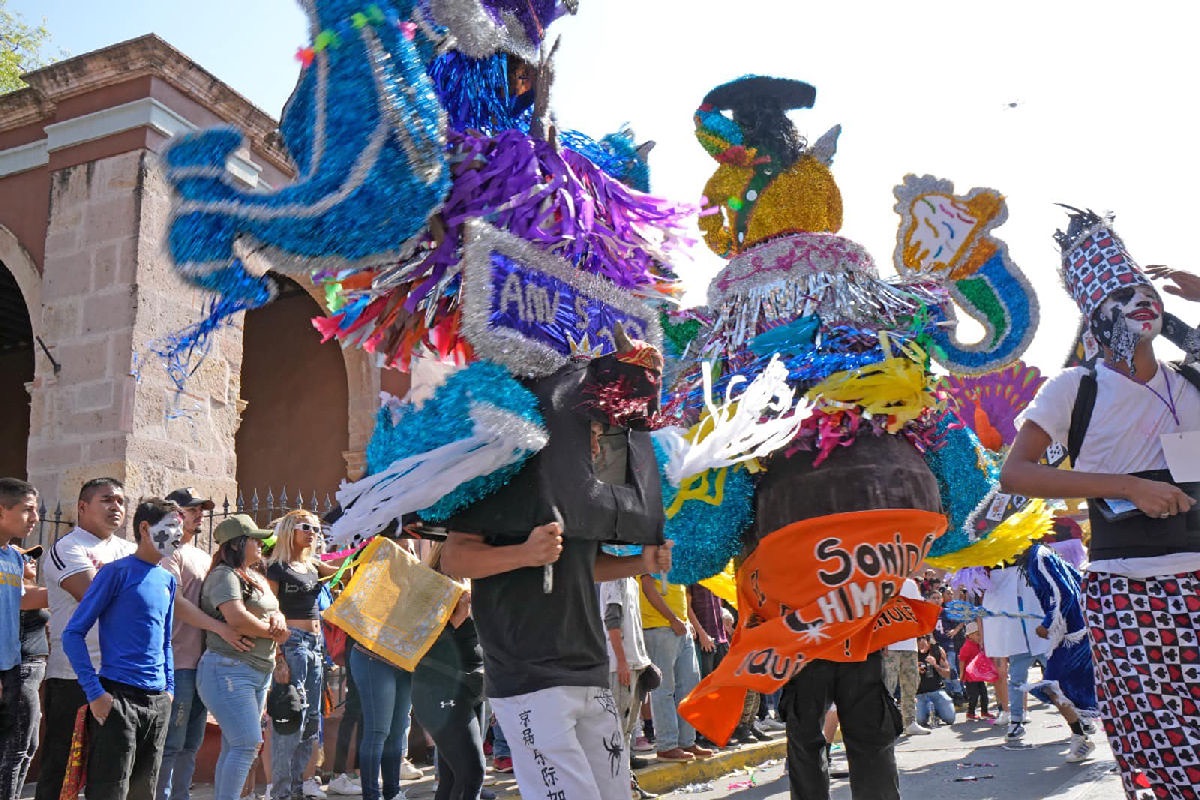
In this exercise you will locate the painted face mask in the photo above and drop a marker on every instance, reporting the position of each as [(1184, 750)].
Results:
[(167, 534), (1125, 317)]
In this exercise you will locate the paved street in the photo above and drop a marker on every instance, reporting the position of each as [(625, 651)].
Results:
[(941, 767)]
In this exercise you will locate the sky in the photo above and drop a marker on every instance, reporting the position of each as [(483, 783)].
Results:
[(1088, 104)]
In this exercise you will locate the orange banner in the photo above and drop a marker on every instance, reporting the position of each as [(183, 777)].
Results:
[(825, 588)]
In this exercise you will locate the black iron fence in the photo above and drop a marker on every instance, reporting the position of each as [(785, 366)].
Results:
[(262, 508)]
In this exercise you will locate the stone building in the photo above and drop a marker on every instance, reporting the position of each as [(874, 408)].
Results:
[(86, 288)]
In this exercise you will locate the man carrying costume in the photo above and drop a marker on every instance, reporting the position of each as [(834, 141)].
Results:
[(544, 646), (1144, 573)]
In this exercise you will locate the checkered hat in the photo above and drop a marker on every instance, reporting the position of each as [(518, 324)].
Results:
[(1095, 262)]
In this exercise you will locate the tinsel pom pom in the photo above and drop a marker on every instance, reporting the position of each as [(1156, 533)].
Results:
[(965, 473), (405, 430), (707, 531)]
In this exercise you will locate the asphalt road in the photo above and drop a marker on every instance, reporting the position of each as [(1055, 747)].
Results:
[(965, 761)]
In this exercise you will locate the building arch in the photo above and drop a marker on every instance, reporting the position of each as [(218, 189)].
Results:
[(20, 307)]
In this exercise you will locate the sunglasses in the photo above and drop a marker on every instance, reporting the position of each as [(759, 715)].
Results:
[(28, 558), (305, 526)]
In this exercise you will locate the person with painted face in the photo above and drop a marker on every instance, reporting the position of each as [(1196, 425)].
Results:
[(132, 601), (1144, 572)]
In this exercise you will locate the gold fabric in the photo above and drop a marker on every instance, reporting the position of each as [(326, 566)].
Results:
[(394, 606)]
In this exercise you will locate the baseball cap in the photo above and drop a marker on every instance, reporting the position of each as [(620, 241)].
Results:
[(285, 708), (237, 525), (32, 552), (187, 498)]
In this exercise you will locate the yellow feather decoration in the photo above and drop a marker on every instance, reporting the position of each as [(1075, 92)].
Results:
[(898, 387), (1005, 542)]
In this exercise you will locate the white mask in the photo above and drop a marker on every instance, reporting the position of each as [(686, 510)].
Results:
[(1141, 308), (167, 535)]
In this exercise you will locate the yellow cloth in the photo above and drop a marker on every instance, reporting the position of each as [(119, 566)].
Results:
[(676, 597), (394, 606), (723, 585)]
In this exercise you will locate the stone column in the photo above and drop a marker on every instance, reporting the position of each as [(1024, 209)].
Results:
[(108, 293)]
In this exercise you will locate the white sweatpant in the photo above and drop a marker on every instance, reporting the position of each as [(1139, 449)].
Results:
[(566, 743)]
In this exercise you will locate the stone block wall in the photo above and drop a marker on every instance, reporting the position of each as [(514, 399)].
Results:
[(108, 292)]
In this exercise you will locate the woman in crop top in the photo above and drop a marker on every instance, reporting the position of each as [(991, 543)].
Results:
[(295, 577)]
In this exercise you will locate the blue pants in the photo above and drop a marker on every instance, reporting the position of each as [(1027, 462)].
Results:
[(185, 734), (1018, 676), (675, 656), (235, 694), (291, 752), (937, 701), (386, 694)]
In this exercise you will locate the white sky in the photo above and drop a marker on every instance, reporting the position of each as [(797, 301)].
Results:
[(1104, 115)]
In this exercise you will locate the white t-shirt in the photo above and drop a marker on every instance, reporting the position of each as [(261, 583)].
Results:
[(1008, 636), (1122, 437), (1127, 419), (626, 593), (70, 555), (913, 592)]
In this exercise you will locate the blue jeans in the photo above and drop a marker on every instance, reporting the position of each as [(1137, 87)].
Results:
[(386, 693), (675, 656), (290, 752), (235, 694), (937, 701), (185, 734), (500, 747), (1018, 676), (954, 682)]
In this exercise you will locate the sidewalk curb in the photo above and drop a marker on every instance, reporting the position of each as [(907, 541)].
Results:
[(662, 778)]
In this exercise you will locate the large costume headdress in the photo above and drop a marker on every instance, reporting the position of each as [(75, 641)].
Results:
[(1095, 262)]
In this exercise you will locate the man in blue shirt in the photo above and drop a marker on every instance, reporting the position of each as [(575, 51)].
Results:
[(18, 702), (130, 700)]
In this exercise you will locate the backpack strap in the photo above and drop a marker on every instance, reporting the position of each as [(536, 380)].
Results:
[(1186, 371), (1081, 414)]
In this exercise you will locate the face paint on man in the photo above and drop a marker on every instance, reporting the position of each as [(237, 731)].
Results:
[(167, 534), (1129, 315)]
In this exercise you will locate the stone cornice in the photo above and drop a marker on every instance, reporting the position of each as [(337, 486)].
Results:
[(22, 107), (151, 56)]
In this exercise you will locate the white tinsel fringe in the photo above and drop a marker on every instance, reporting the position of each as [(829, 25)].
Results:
[(410, 484), (759, 421)]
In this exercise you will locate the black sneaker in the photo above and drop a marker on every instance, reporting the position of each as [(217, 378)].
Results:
[(637, 762), (759, 734)]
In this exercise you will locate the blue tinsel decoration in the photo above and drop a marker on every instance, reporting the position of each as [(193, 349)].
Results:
[(474, 92), (965, 474), (706, 536), (444, 419)]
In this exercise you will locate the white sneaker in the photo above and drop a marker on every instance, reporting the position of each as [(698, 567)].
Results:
[(343, 784), (771, 724), (914, 729), (1003, 719), (408, 772), (312, 788), (1080, 749)]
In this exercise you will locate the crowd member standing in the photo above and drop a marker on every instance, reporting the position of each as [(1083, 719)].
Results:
[(295, 578), (448, 700), (627, 657), (19, 704), (130, 699), (976, 691), (900, 667), (710, 632), (35, 649), (1011, 633), (671, 646), (232, 683), (1145, 559), (70, 566), (185, 728)]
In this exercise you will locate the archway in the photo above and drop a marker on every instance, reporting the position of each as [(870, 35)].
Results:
[(295, 425), (16, 370)]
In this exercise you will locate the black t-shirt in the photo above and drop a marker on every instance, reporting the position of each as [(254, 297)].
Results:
[(34, 641), (931, 679), (298, 591), (533, 641)]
